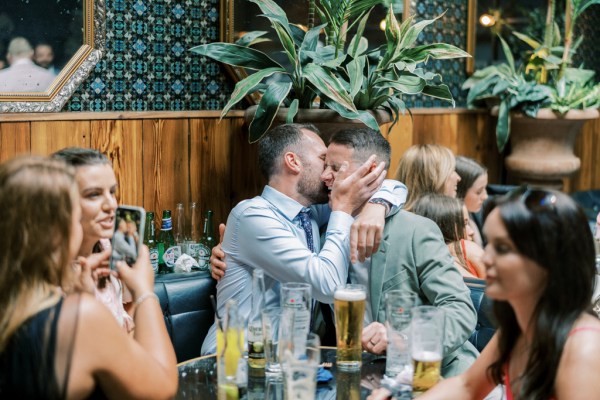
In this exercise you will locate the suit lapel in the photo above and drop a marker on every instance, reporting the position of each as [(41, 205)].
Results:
[(377, 274)]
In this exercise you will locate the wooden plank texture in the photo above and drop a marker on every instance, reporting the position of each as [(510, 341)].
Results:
[(15, 139), (165, 167), (48, 137), (121, 141), (210, 166)]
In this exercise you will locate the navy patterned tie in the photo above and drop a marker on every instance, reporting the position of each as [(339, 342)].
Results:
[(304, 216), (326, 331)]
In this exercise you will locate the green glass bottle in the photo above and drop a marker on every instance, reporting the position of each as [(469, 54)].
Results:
[(207, 242), (150, 240), (168, 251)]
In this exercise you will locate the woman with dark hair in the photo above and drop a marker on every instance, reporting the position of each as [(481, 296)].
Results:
[(453, 220), (540, 274), (59, 344), (472, 190), (97, 185)]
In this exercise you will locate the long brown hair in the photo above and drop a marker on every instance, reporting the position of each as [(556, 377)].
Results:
[(36, 204), (556, 235)]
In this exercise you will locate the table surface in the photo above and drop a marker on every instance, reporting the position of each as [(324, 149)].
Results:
[(198, 380)]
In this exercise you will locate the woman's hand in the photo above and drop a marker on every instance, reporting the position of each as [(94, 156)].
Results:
[(89, 270), (139, 278)]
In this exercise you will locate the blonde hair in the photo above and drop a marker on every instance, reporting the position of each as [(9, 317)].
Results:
[(36, 204), (424, 169)]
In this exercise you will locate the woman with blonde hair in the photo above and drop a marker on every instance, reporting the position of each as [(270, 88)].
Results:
[(57, 345), (427, 168)]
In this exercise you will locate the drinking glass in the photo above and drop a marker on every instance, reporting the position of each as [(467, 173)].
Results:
[(349, 304), (271, 318), (298, 297), (398, 306), (426, 337), (300, 367)]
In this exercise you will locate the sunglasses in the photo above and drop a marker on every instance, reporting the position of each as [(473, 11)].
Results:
[(535, 199)]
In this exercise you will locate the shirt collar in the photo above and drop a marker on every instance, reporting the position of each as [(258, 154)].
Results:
[(286, 205)]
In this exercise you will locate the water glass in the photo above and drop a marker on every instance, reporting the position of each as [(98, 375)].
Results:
[(298, 297), (349, 304), (271, 318), (300, 368), (427, 330), (398, 306)]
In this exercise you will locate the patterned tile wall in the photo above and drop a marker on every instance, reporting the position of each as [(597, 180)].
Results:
[(452, 29), (146, 66)]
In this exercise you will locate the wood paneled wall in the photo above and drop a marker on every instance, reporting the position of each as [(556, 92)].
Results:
[(164, 158)]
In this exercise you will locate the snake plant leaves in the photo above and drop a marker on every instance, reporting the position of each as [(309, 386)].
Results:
[(503, 125), (267, 109)]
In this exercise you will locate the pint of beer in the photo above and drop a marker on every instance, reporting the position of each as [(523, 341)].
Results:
[(349, 303), (427, 346)]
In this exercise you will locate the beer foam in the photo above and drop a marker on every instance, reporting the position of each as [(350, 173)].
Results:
[(349, 295), (427, 356)]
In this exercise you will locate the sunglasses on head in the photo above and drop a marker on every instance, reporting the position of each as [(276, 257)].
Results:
[(535, 199)]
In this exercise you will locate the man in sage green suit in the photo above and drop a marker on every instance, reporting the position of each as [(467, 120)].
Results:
[(413, 257)]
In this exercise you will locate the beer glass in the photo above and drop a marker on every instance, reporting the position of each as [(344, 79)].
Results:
[(427, 350), (349, 304), (271, 318), (398, 306)]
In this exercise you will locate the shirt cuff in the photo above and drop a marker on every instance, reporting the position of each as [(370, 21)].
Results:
[(340, 220)]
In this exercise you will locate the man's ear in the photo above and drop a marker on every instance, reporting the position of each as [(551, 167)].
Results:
[(292, 162)]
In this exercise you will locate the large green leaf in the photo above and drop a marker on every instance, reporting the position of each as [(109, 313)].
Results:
[(508, 54), (267, 109), (239, 56), (408, 83), (355, 74), (328, 85), (309, 44), (439, 92), (252, 38), (361, 115), (503, 125), (413, 32), (359, 44), (247, 85)]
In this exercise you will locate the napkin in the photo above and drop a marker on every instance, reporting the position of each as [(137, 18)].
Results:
[(185, 263), (323, 375)]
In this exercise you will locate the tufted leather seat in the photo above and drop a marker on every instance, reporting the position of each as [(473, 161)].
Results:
[(185, 303), (485, 328)]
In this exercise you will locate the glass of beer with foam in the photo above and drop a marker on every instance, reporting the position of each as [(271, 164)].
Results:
[(349, 304), (427, 330)]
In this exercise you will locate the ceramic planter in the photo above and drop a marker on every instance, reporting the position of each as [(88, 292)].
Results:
[(543, 147)]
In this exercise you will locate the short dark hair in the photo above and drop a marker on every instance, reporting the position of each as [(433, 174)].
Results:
[(365, 142), (276, 142), (468, 170), (556, 236), (80, 157)]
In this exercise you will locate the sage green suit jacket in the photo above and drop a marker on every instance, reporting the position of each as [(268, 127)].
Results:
[(413, 257)]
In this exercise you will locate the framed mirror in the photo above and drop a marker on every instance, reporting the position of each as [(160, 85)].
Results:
[(73, 30)]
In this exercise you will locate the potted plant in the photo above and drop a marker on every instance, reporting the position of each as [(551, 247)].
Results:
[(542, 103), (345, 77)]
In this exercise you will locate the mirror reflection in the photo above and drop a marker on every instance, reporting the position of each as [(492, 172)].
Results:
[(37, 38)]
